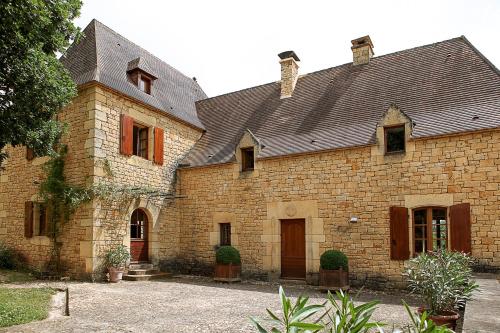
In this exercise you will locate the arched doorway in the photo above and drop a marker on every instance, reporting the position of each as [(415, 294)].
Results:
[(139, 236)]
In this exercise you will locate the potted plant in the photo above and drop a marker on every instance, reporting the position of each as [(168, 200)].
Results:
[(116, 259), (334, 271), (228, 264), (444, 281)]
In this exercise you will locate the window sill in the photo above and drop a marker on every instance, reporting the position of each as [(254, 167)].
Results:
[(395, 153)]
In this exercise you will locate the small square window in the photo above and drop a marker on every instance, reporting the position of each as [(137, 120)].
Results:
[(225, 234), (247, 159), (395, 139), (140, 141)]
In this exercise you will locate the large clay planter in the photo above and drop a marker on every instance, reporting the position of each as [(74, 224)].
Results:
[(115, 274), (447, 318), (333, 279), (227, 272)]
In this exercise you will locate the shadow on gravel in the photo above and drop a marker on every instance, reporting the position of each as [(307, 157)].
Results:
[(295, 289)]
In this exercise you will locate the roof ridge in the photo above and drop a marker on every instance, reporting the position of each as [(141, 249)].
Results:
[(138, 46), (97, 72), (482, 56), (335, 67)]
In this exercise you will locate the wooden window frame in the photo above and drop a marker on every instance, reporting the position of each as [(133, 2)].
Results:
[(386, 129), (245, 160), (137, 141), (225, 234), (429, 232), (148, 82)]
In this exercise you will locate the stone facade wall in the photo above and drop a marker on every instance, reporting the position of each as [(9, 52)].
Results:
[(328, 188), (112, 219), (19, 183), (93, 140)]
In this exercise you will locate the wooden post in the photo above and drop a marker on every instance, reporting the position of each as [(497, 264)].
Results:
[(66, 310)]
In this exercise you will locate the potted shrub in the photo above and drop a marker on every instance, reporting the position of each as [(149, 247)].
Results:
[(334, 271), (115, 260), (228, 264), (444, 281)]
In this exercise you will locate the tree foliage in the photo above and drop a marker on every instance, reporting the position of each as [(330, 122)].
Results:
[(34, 85)]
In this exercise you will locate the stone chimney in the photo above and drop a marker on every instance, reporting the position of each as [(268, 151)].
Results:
[(362, 50), (289, 72)]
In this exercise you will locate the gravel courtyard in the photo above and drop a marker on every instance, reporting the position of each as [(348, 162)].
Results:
[(182, 304)]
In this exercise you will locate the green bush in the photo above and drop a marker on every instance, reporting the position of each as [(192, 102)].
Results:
[(117, 257), (333, 259), (7, 257), (227, 255), (443, 279)]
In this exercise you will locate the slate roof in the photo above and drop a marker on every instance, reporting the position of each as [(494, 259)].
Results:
[(446, 87), (104, 56)]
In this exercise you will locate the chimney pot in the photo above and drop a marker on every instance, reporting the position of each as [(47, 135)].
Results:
[(362, 50), (289, 72)]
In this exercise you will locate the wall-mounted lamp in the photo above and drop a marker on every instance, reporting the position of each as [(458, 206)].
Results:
[(354, 219)]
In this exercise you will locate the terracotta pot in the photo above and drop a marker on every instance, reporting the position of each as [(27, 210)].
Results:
[(115, 274), (227, 272), (446, 318), (333, 279)]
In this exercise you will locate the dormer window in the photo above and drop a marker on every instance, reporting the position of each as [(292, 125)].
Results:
[(141, 75), (247, 159), (395, 139), (145, 84)]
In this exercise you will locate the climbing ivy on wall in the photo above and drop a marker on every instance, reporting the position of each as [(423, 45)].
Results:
[(62, 199)]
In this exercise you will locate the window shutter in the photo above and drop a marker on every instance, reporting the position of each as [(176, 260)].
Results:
[(460, 229), (158, 151), (127, 128), (30, 154), (48, 216), (400, 242), (28, 219)]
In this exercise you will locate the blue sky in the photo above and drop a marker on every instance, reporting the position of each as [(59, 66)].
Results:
[(231, 45)]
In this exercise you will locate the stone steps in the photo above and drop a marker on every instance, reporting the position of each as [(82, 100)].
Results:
[(144, 272)]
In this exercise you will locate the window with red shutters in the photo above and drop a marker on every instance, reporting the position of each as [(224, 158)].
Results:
[(127, 132), (28, 219), (158, 146), (460, 228), (398, 222)]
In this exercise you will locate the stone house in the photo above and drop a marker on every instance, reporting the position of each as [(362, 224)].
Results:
[(383, 158)]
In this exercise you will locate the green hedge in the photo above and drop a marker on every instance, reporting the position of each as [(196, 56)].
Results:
[(227, 255), (333, 259)]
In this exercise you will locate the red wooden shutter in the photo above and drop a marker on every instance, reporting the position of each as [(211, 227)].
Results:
[(158, 151), (460, 229), (28, 219), (127, 130), (30, 154), (400, 243)]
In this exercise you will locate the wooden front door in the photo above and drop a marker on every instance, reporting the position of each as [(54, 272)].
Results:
[(293, 249), (139, 236)]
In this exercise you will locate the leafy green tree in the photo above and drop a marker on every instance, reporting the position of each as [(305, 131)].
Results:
[(34, 85)]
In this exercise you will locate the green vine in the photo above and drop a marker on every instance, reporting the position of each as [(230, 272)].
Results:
[(62, 199)]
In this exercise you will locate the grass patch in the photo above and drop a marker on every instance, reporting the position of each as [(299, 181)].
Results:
[(9, 276), (22, 305)]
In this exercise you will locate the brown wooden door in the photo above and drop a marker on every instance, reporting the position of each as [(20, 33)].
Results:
[(293, 249), (139, 236)]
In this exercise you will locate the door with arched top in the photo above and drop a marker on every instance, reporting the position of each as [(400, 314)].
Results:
[(139, 236)]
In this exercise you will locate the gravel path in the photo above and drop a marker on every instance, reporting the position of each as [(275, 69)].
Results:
[(182, 304)]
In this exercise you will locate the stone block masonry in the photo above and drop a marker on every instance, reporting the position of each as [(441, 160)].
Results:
[(328, 188)]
